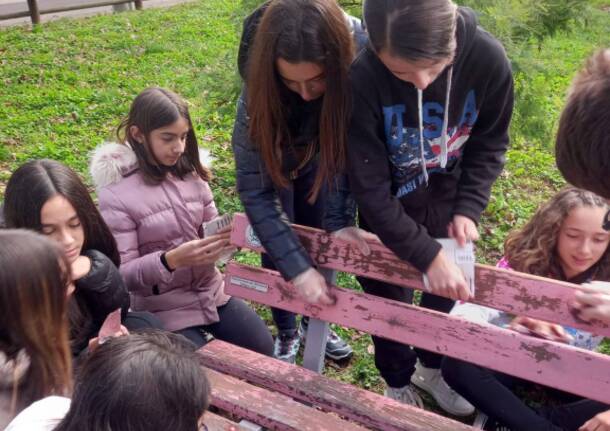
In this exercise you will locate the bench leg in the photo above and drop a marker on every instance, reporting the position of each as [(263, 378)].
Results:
[(317, 332)]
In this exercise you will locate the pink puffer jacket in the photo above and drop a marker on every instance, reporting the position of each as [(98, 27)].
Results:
[(148, 220)]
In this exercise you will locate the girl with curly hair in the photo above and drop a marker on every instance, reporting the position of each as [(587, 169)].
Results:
[(564, 240)]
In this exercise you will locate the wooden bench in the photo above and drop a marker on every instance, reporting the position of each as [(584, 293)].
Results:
[(534, 359)]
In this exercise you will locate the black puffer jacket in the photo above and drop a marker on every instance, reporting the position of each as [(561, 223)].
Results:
[(101, 291), (256, 190)]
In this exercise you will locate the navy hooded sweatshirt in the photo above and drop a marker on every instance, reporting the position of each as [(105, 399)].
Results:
[(393, 173)]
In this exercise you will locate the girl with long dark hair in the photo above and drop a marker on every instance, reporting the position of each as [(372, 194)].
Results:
[(50, 198), (154, 194), (289, 142)]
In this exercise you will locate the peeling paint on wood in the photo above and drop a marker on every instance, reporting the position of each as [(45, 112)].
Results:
[(362, 406), (270, 409), (511, 291), (531, 358)]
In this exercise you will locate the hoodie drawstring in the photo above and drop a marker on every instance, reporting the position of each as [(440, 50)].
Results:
[(444, 136)]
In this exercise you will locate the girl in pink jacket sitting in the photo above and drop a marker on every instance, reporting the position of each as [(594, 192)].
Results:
[(154, 195)]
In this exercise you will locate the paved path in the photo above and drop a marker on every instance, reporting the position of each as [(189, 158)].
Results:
[(12, 6)]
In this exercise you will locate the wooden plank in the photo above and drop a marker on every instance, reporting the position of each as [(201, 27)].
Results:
[(271, 410), (511, 291), (216, 422), (370, 409), (550, 363)]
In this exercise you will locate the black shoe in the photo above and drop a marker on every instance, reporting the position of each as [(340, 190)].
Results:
[(336, 348)]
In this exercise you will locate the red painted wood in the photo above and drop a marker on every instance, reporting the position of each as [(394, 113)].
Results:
[(515, 292), (554, 364), (269, 409), (369, 409), (215, 422)]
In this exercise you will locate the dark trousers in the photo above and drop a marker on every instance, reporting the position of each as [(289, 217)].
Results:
[(294, 204), (238, 324), (492, 393), (136, 320), (396, 361)]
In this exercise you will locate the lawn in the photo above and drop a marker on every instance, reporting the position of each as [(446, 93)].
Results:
[(66, 85)]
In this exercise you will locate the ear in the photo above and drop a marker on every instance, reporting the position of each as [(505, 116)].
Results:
[(136, 134)]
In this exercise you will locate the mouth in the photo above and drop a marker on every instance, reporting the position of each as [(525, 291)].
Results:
[(581, 261), (72, 252)]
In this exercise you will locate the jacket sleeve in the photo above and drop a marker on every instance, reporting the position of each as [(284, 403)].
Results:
[(371, 183), (139, 272), (261, 203), (340, 206), (484, 153), (103, 287)]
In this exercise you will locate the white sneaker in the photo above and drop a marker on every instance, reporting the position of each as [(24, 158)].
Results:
[(431, 381), (405, 395)]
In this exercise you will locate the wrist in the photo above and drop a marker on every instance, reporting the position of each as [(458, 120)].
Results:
[(169, 260)]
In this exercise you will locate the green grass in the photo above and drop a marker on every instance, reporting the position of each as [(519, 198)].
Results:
[(66, 85)]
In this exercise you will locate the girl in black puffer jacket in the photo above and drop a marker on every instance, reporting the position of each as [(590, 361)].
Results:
[(48, 197)]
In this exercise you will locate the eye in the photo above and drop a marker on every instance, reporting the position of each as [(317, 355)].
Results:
[(48, 231), (74, 224)]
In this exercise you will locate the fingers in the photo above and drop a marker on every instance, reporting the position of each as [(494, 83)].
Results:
[(363, 246)]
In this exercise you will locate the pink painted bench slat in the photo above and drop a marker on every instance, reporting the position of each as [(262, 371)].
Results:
[(216, 422), (369, 409), (270, 409), (511, 291), (520, 355)]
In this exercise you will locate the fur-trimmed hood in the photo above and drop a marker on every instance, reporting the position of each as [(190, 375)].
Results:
[(111, 161)]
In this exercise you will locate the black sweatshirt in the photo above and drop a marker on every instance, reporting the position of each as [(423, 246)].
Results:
[(384, 153)]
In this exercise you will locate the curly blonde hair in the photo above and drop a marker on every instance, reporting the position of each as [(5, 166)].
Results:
[(533, 248)]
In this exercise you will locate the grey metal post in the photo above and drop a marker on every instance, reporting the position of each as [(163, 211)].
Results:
[(317, 333)]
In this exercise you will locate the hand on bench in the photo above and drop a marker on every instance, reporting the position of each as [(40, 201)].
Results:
[(312, 287), (446, 279), (593, 302)]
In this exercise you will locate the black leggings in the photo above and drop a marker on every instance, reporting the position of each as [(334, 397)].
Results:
[(396, 361), (294, 204), (238, 324), (492, 393)]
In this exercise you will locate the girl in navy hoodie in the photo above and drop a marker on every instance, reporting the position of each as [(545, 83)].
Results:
[(433, 98)]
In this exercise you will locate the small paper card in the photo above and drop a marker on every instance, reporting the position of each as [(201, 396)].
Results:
[(111, 326), (214, 226), (463, 257)]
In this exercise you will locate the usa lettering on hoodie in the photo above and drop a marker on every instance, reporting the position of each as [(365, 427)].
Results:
[(408, 148)]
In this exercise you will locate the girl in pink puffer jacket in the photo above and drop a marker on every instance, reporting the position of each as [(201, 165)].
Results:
[(154, 195)]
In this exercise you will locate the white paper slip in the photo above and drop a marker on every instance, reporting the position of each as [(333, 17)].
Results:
[(214, 226), (463, 257)]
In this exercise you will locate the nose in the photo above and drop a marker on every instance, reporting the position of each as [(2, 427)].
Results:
[(585, 247), (179, 147), (422, 79), (66, 238), (305, 93)]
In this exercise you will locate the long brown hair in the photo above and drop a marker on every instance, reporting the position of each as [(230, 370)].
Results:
[(37, 181), (34, 275), (152, 109), (313, 31), (533, 248)]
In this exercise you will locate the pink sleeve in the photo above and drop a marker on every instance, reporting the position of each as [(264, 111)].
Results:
[(139, 272)]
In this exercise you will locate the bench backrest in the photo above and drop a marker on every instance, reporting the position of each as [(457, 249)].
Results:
[(550, 363)]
